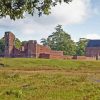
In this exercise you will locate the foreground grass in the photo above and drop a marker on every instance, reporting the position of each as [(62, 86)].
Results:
[(29, 63), (41, 86), (52, 80)]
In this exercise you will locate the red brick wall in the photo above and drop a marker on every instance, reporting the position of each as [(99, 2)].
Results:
[(16, 52), (45, 56), (46, 52), (43, 49), (9, 44), (55, 56), (50, 56), (58, 53), (31, 48), (80, 57), (67, 57)]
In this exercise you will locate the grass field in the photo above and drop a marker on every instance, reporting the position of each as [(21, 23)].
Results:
[(43, 79)]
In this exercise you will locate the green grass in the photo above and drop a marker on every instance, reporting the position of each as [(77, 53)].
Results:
[(72, 80), (27, 63), (41, 86)]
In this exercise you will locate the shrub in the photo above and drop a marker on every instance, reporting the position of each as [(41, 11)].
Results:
[(16, 93)]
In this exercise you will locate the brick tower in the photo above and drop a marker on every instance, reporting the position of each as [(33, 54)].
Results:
[(9, 44), (31, 49)]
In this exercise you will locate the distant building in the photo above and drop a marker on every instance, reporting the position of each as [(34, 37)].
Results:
[(29, 49), (93, 49)]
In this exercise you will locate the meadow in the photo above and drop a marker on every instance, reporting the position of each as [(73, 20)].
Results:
[(45, 79)]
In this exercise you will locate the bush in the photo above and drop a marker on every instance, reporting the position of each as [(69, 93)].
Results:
[(16, 93)]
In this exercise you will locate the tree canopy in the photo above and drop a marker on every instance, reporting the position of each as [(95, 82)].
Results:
[(2, 45), (18, 43), (15, 9), (80, 46), (60, 40)]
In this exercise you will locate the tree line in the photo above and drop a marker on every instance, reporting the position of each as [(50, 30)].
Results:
[(58, 40)]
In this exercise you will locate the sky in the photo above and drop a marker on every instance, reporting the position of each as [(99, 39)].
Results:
[(80, 19)]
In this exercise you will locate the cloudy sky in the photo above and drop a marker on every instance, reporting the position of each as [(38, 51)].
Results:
[(80, 18)]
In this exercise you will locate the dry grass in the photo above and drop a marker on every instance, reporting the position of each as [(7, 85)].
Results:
[(40, 79)]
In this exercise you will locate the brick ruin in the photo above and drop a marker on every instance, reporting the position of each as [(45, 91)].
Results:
[(30, 49)]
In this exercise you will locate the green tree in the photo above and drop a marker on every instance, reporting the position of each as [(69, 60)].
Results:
[(44, 41), (81, 45), (60, 40), (16, 8), (2, 45), (18, 43)]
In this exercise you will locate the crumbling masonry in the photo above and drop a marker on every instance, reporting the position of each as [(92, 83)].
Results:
[(30, 49)]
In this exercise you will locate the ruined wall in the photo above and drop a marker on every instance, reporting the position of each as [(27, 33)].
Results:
[(43, 49), (45, 56), (9, 44), (34, 50), (66, 57), (31, 49), (16, 52), (56, 54), (46, 52), (79, 57)]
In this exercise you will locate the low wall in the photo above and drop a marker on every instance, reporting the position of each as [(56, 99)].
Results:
[(54, 56), (80, 57), (45, 56), (90, 58), (50, 56), (67, 57)]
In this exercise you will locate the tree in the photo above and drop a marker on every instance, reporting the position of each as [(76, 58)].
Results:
[(81, 45), (16, 8), (17, 43), (60, 40), (44, 41), (2, 45)]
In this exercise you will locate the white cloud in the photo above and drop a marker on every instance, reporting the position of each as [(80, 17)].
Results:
[(92, 36), (75, 12), (38, 27)]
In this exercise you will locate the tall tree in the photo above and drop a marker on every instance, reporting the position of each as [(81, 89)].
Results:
[(60, 40), (81, 45), (16, 8), (2, 45)]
